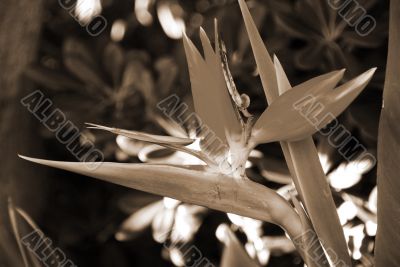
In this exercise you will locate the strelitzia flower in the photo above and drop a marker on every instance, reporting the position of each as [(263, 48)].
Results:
[(228, 133)]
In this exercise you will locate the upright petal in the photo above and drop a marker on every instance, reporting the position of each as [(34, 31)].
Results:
[(265, 65), (229, 115), (211, 99)]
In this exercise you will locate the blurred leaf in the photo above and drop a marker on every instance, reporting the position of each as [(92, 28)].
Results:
[(170, 126), (16, 232), (78, 60), (163, 223), (347, 174), (167, 71), (134, 201), (388, 235), (137, 76), (275, 170), (188, 219), (234, 254), (52, 79), (130, 146), (15, 223), (138, 221), (113, 60)]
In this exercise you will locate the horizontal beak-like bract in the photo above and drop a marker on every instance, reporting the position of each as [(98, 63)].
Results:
[(294, 114)]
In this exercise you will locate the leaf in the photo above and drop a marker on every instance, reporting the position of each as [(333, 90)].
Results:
[(136, 76), (167, 71), (318, 197), (309, 239), (79, 62), (51, 79), (156, 139), (138, 221), (215, 191), (170, 126), (25, 252), (135, 200), (35, 227), (15, 229), (113, 61), (274, 170), (388, 235), (348, 174), (212, 101), (163, 223), (307, 108), (188, 220), (130, 146), (234, 254)]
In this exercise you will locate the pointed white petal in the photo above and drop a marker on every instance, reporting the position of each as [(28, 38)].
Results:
[(264, 63), (151, 138)]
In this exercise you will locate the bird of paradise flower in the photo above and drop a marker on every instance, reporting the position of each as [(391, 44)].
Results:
[(227, 188)]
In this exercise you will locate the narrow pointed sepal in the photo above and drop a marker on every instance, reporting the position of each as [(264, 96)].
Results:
[(264, 62), (151, 138)]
